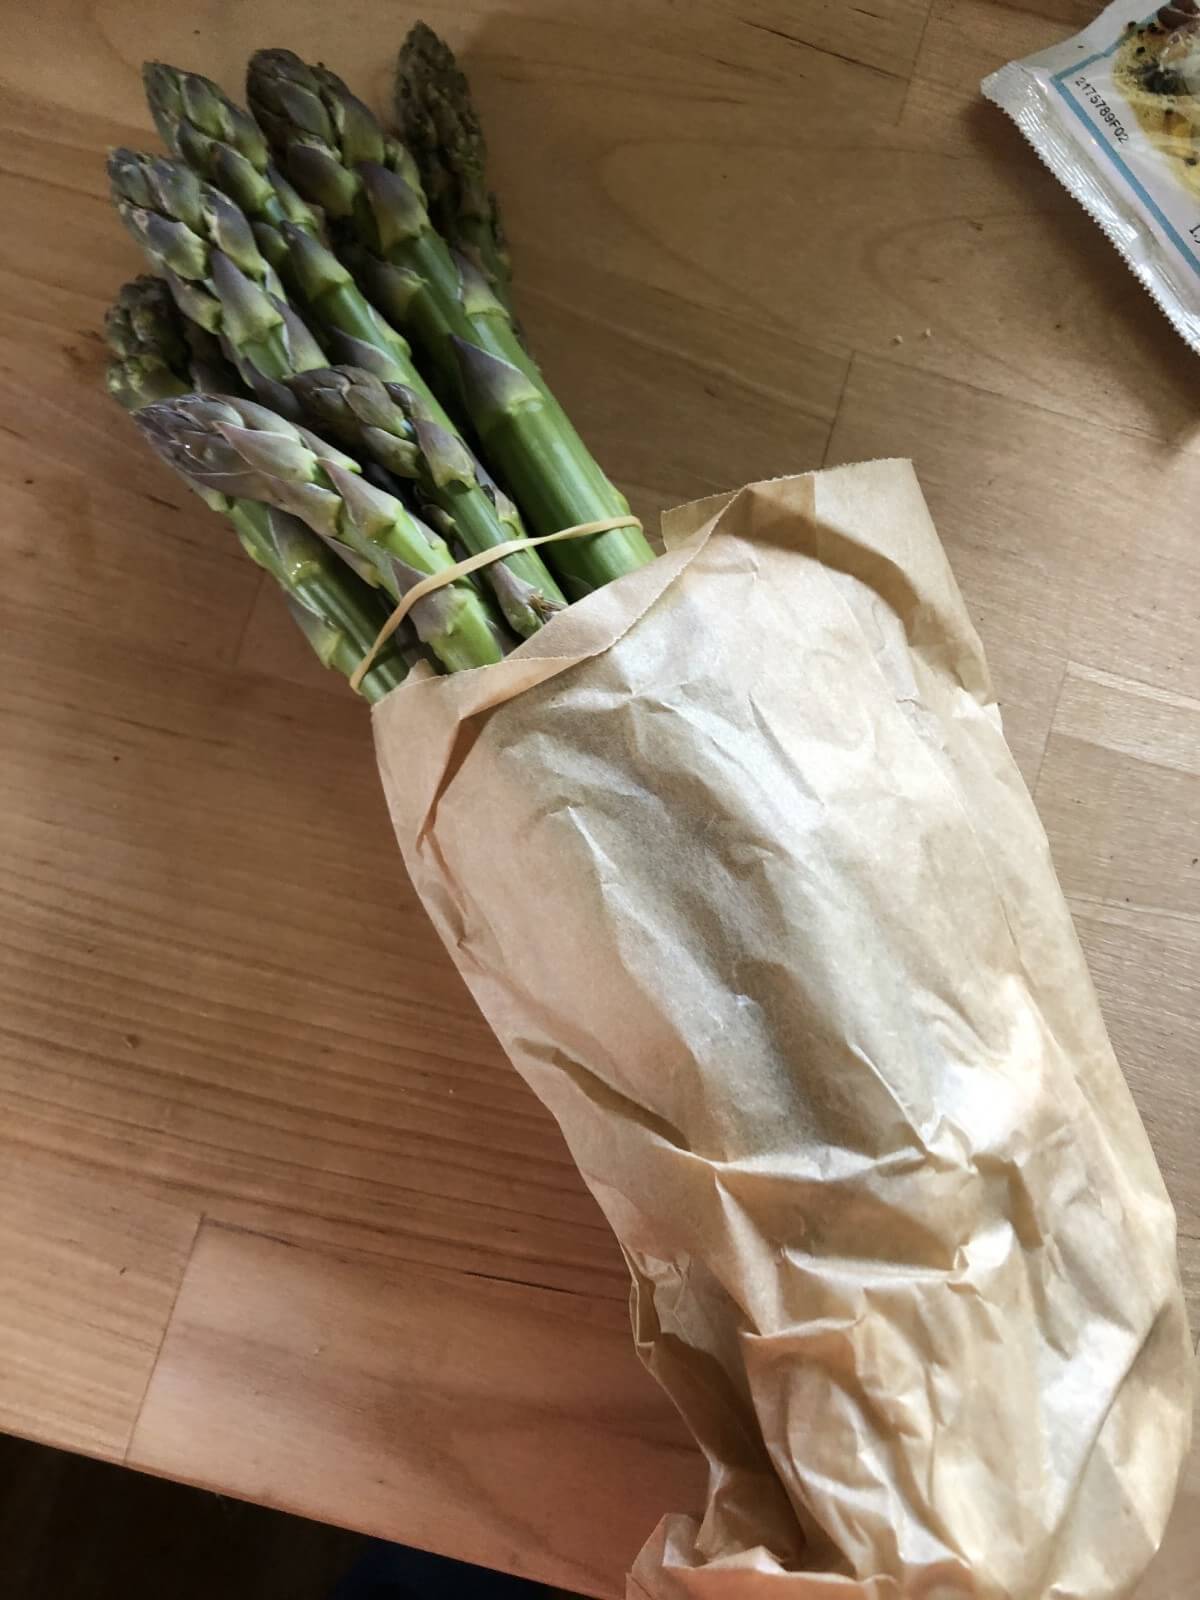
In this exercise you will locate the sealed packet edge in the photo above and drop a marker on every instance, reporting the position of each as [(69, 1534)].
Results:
[(1074, 157)]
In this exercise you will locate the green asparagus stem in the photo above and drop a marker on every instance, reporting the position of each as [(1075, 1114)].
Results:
[(335, 152), (240, 449), (339, 614), (223, 142), (205, 248), (389, 423), (356, 331), (442, 132)]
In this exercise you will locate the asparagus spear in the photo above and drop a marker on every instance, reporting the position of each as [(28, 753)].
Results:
[(335, 152), (156, 351), (224, 144), (221, 142), (144, 322), (145, 329), (240, 449), (442, 132), (337, 611), (389, 423), (214, 134), (206, 250)]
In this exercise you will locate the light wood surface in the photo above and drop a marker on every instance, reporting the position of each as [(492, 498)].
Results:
[(508, 1421), (751, 238)]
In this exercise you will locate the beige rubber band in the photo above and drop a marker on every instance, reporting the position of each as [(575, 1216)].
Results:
[(483, 558)]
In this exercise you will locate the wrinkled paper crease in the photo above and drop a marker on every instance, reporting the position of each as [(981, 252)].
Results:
[(737, 864)]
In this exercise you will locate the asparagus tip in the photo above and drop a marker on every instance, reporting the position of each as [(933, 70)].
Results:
[(397, 208), (493, 388)]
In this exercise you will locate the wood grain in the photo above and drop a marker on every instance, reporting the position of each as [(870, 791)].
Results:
[(89, 1271), (751, 237), (1120, 796), (508, 1424)]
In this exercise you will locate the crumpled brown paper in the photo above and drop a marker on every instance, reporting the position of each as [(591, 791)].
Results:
[(736, 862)]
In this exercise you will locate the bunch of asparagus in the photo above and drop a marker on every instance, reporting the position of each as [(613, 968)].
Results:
[(328, 355)]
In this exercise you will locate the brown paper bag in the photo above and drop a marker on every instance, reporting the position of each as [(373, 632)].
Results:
[(737, 864)]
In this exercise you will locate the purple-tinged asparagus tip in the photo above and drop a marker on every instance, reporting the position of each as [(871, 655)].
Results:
[(492, 388), (397, 209)]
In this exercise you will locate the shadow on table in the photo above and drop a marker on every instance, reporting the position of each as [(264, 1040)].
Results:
[(391, 1572)]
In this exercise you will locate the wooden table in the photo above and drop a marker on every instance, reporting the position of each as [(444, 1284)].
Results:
[(275, 1215)]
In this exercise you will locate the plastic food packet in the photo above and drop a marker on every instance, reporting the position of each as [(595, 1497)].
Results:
[(1114, 112)]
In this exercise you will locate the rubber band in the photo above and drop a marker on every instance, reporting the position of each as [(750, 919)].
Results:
[(469, 564)]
